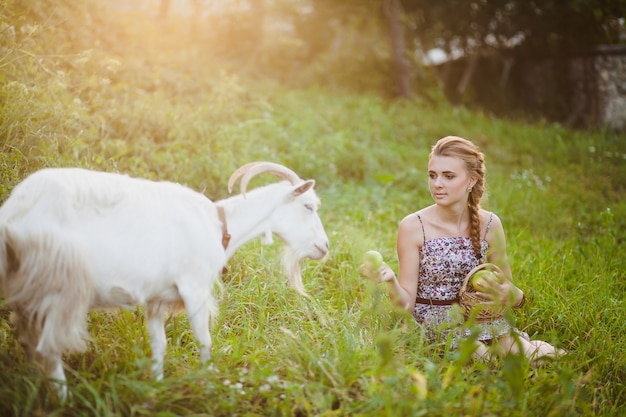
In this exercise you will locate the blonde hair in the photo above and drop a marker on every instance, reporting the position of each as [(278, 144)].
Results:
[(474, 160)]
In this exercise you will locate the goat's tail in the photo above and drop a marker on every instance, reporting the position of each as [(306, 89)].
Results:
[(47, 283)]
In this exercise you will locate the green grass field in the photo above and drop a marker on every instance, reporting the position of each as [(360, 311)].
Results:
[(120, 93)]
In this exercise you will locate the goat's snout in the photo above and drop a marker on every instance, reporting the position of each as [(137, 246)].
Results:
[(322, 249)]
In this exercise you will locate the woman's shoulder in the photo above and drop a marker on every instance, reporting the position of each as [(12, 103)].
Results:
[(416, 219), (411, 221), (487, 216), (425, 212), (489, 221), (413, 225)]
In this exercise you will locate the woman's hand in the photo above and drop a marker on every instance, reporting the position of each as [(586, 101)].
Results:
[(382, 274), (501, 291), (399, 296), (386, 273)]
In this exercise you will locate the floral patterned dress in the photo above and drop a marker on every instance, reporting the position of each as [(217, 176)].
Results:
[(444, 263)]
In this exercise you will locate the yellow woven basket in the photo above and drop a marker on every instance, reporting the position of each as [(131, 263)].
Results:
[(470, 300)]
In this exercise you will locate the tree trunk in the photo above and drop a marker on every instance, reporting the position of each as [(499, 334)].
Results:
[(393, 11), (467, 74)]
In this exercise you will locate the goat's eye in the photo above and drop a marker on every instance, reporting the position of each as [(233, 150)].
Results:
[(309, 207)]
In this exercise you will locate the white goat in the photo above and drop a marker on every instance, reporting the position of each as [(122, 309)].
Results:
[(73, 240)]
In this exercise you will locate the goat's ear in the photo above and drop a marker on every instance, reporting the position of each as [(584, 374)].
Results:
[(304, 187)]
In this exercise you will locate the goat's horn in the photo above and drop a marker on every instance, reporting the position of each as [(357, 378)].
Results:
[(250, 170)]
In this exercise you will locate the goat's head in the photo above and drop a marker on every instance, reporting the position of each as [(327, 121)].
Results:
[(296, 222)]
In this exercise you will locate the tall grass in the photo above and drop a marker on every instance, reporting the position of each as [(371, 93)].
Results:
[(133, 99)]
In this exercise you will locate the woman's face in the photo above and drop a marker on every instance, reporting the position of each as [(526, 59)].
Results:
[(448, 180)]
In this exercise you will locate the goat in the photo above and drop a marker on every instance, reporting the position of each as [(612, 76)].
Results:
[(73, 240)]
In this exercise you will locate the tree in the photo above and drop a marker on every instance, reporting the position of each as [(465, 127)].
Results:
[(545, 27), (393, 13)]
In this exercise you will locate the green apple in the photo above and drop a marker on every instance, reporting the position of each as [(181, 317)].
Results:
[(373, 258), (478, 280)]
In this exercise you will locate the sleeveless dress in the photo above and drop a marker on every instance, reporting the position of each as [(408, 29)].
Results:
[(444, 263)]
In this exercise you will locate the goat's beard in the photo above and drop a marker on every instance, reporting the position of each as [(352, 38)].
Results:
[(291, 263)]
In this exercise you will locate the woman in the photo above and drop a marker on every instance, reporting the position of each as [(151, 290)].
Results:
[(438, 245)]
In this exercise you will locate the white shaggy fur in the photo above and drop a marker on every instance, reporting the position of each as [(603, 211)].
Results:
[(73, 240)]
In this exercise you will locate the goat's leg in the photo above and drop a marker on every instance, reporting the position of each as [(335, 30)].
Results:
[(50, 363), (158, 340), (26, 335), (200, 327), (197, 307), (53, 364)]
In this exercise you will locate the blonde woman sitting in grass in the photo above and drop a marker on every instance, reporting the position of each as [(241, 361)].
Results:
[(438, 245)]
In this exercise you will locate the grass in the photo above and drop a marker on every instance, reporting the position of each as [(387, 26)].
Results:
[(121, 97)]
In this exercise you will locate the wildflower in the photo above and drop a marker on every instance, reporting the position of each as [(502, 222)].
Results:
[(83, 57), (112, 65), (272, 379), (8, 31), (28, 29)]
